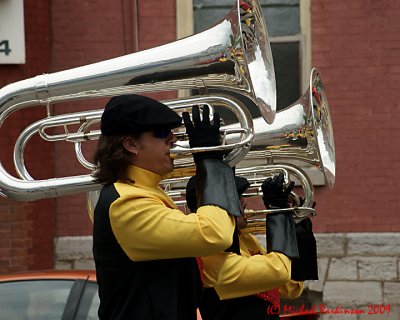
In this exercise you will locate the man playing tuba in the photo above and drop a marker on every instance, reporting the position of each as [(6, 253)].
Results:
[(144, 248), (247, 281)]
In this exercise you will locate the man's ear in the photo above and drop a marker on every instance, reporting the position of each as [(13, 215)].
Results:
[(129, 144)]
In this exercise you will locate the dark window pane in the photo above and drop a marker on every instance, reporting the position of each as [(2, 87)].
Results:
[(207, 17), (282, 17), (209, 12), (279, 2), (282, 21), (287, 72), (213, 3)]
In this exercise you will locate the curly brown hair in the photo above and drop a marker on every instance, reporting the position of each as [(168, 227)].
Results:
[(111, 159)]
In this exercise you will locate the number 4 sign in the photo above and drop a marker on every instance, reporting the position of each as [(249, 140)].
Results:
[(12, 33), (4, 47)]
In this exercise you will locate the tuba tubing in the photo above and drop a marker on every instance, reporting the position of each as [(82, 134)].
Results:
[(175, 187), (181, 150)]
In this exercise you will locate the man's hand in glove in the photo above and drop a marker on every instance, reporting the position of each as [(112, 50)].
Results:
[(215, 183), (275, 195), (281, 232), (202, 133)]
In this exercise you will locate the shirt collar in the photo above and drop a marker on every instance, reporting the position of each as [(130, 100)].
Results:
[(143, 177)]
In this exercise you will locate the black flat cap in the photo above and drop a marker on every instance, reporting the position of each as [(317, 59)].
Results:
[(133, 113), (241, 185)]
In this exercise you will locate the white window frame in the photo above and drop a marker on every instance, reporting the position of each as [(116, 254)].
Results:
[(185, 27)]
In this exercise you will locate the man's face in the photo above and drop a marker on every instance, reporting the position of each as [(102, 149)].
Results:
[(153, 153)]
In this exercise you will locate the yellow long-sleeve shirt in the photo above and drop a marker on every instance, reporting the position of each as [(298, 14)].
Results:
[(148, 225), (252, 272)]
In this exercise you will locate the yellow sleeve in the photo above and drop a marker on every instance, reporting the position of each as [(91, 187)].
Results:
[(235, 275), (147, 229), (292, 289)]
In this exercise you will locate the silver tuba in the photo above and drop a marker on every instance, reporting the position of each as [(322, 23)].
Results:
[(234, 55), (300, 137)]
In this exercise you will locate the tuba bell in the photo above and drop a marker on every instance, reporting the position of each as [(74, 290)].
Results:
[(301, 135), (234, 55)]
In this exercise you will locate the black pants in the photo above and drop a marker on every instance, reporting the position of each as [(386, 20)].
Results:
[(245, 308)]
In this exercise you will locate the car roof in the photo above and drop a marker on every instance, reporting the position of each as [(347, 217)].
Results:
[(49, 274)]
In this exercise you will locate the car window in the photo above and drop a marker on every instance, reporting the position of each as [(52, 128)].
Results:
[(89, 304), (34, 299)]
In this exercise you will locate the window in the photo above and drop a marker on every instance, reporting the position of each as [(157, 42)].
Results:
[(34, 299), (49, 299), (288, 28), (90, 302)]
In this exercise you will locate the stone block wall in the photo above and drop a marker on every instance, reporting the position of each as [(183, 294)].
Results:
[(359, 273)]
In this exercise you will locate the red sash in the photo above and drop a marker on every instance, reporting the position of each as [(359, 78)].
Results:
[(271, 296)]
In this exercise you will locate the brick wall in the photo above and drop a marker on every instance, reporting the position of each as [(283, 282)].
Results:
[(359, 272), (27, 229), (356, 47), (83, 32)]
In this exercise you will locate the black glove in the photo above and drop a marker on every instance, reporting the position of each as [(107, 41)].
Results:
[(275, 195), (215, 185), (281, 232), (306, 266), (202, 133)]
